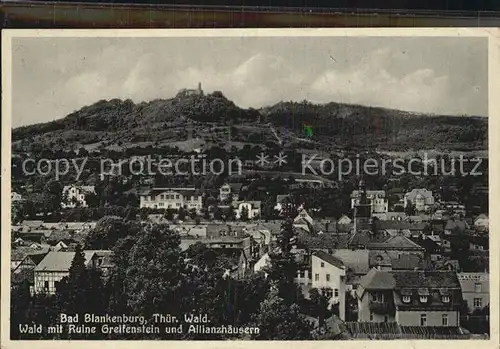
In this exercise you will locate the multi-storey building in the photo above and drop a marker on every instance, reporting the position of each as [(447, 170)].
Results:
[(252, 208), (481, 221), (328, 276), (410, 298), (230, 192), (421, 199), (475, 289), (55, 266), (173, 198), (76, 195)]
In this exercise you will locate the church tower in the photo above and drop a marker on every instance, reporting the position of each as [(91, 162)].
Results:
[(362, 210)]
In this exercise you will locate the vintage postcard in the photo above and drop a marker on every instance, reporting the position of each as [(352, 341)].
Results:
[(231, 186)]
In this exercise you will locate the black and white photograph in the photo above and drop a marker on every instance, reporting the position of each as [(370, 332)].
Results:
[(240, 185)]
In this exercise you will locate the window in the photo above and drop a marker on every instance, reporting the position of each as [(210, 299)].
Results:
[(46, 285), (406, 299), (423, 320), (477, 302), (423, 299), (327, 277), (371, 316), (477, 287), (322, 265), (445, 320), (446, 299), (378, 297), (177, 196), (302, 274), (316, 277), (328, 293), (336, 292)]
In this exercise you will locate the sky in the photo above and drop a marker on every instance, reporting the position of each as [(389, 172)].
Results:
[(52, 77)]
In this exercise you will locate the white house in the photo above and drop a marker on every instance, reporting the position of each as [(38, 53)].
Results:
[(481, 221), (252, 207), (328, 276), (421, 199), (261, 263), (230, 191), (14, 197), (76, 195), (344, 220), (303, 218), (174, 198)]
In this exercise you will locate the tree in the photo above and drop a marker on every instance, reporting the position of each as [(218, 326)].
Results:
[(52, 196), (154, 272), (320, 302), (277, 320), (181, 213), (283, 267), (169, 214), (108, 231)]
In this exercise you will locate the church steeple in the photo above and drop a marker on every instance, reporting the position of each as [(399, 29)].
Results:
[(362, 209)]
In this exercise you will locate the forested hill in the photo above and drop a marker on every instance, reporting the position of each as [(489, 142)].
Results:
[(341, 125)]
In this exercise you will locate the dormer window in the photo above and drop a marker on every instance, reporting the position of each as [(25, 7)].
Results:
[(446, 299), (423, 294), (406, 299)]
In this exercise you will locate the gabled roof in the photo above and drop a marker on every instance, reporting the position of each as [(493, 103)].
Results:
[(397, 280), (19, 253), (415, 192), (395, 242), (56, 261), (481, 216), (355, 260), (426, 279), (37, 257), (329, 259), (378, 280), (365, 237), (61, 261), (345, 216)]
